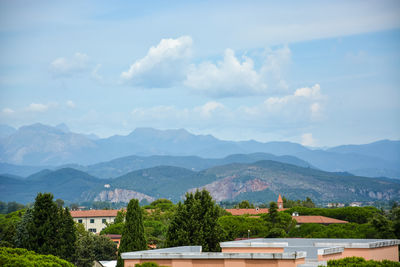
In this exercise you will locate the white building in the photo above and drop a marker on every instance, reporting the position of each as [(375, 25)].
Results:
[(94, 220)]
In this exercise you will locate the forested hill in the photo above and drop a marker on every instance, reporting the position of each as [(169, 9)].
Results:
[(260, 181)]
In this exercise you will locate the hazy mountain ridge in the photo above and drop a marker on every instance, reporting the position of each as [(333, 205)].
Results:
[(259, 181), (44, 145)]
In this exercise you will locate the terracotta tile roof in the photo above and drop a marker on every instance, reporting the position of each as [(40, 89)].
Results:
[(280, 199), (93, 213), (237, 212), (316, 219)]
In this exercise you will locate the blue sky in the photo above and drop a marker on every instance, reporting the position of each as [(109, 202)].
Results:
[(320, 73)]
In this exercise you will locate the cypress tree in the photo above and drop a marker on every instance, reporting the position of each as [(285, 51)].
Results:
[(132, 238), (67, 234)]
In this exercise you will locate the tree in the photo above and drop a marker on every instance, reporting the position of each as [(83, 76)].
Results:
[(132, 238), (60, 202), (43, 234), (195, 223), (14, 206), (85, 250), (279, 223), (47, 229), (22, 234), (245, 204), (104, 248), (67, 232)]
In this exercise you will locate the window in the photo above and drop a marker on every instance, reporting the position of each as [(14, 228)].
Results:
[(80, 221), (93, 230), (91, 220), (103, 220)]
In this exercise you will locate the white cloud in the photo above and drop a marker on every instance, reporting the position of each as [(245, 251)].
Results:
[(7, 111), (307, 140), (95, 73), (68, 66), (38, 107), (209, 108), (274, 65), (70, 104), (164, 65), (296, 110), (229, 77), (313, 92)]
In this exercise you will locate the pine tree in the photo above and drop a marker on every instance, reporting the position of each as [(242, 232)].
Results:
[(47, 229), (195, 223), (22, 234), (132, 238), (43, 234)]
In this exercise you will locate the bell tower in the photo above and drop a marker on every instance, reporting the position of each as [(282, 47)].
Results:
[(280, 202)]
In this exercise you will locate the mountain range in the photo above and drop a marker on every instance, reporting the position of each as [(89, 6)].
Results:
[(259, 181), (35, 147)]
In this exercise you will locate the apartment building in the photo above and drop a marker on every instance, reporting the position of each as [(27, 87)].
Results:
[(94, 220)]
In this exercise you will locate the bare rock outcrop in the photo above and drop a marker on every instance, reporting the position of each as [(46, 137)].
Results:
[(230, 187), (121, 195)]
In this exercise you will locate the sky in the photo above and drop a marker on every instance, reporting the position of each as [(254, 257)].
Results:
[(319, 73)]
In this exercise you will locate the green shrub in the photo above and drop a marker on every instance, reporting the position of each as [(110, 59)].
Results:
[(10, 257), (361, 262)]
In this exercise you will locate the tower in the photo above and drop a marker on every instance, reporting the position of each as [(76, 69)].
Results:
[(280, 202)]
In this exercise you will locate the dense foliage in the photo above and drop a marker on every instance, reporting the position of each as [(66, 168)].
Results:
[(361, 262), (195, 223), (350, 214), (10, 257), (47, 229), (133, 237)]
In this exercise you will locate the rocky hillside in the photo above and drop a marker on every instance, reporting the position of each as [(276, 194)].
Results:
[(260, 181)]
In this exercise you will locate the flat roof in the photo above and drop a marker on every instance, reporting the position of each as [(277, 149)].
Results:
[(294, 248)]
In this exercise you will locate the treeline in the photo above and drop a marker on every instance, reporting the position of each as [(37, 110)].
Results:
[(48, 228)]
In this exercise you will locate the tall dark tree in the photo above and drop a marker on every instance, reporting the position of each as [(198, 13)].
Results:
[(132, 238), (22, 234), (195, 223), (43, 231), (47, 229), (67, 232)]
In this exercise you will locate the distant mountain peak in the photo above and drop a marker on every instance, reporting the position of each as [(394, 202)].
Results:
[(63, 127)]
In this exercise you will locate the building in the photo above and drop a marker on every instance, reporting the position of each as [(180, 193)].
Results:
[(279, 252), (256, 211), (280, 202), (94, 220), (115, 238)]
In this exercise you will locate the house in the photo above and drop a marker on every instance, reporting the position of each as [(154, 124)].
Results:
[(279, 252), (94, 220), (355, 204), (256, 211)]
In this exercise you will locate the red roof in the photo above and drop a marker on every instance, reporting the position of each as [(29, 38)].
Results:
[(280, 199), (316, 219), (93, 213), (248, 211)]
